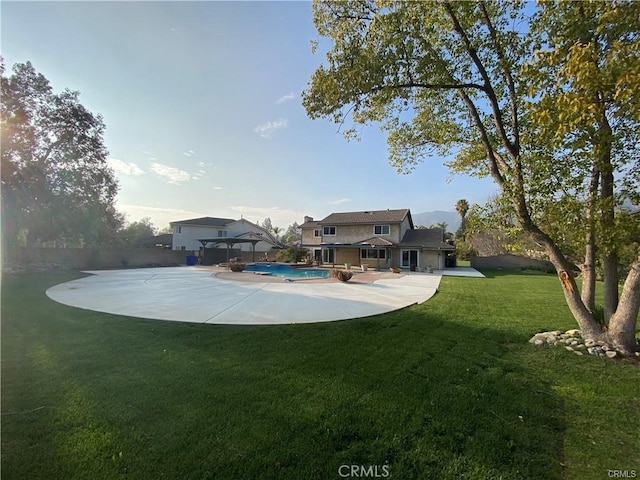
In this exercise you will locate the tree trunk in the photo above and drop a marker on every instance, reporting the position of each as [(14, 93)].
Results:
[(589, 273), (588, 326), (622, 324), (607, 214), (611, 285), (589, 266)]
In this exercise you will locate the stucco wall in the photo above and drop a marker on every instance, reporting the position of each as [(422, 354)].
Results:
[(309, 239), (356, 233), (348, 255)]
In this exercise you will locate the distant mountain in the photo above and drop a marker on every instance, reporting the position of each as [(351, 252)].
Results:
[(438, 216)]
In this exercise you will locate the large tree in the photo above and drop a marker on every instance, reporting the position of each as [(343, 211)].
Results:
[(56, 183), (455, 78), (133, 234)]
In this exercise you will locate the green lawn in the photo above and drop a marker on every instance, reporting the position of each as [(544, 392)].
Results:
[(445, 390)]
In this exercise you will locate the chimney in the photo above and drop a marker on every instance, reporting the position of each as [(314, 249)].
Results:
[(308, 219)]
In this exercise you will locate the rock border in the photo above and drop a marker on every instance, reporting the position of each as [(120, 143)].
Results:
[(573, 342)]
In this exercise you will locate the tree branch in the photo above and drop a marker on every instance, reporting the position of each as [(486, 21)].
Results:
[(515, 128), (488, 89), (431, 86)]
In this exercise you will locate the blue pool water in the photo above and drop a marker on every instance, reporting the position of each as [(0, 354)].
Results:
[(287, 271)]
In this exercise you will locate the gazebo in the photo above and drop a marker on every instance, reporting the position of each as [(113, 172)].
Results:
[(230, 242)]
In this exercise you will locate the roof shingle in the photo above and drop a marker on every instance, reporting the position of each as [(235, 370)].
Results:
[(426, 238), (205, 221), (372, 216)]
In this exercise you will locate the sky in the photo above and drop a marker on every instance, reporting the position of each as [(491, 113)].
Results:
[(203, 113)]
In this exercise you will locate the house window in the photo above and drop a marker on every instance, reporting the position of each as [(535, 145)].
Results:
[(222, 233), (331, 231), (373, 253), (316, 233), (328, 255), (381, 230), (409, 258), (178, 229)]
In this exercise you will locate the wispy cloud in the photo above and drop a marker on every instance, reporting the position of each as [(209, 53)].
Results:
[(199, 175), (189, 153), (125, 168), (286, 98), (217, 188), (174, 175), (267, 129), (341, 200)]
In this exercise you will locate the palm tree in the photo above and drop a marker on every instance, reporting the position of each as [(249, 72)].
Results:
[(462, 207), (276, 231)]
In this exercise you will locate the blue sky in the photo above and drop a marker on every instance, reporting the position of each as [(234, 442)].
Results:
[(202, 106)]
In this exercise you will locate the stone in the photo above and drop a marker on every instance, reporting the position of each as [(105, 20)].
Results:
[(574, 342), (570, 349), (578, 353), (597, 350), (580, 346), (539, 342), (573, 333), (590, 343), (538, 336), (611, 353)]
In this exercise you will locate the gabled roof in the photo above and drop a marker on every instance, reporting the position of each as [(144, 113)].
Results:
[(375, 241), (425, 238), (205, 222), (369, 216), (310, 225)]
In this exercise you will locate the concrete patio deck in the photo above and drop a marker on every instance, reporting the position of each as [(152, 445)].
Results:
[(195, 294)]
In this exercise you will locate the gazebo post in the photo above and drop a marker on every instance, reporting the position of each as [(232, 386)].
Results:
[(253, 252)]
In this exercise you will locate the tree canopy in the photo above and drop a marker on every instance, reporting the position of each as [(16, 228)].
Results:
[(545, 104), (56, 183)]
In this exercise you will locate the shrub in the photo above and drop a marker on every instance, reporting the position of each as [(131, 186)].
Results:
[(292, 254), (344, 275), (236, 266)]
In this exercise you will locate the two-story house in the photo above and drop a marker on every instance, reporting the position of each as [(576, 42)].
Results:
[(206, 233), (377, 238)]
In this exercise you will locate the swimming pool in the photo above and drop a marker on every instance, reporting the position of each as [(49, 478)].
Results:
[(287, 271)]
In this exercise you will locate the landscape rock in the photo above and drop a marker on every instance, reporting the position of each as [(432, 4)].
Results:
[(572, 341)]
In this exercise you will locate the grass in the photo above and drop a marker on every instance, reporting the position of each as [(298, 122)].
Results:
[(445, 390)]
